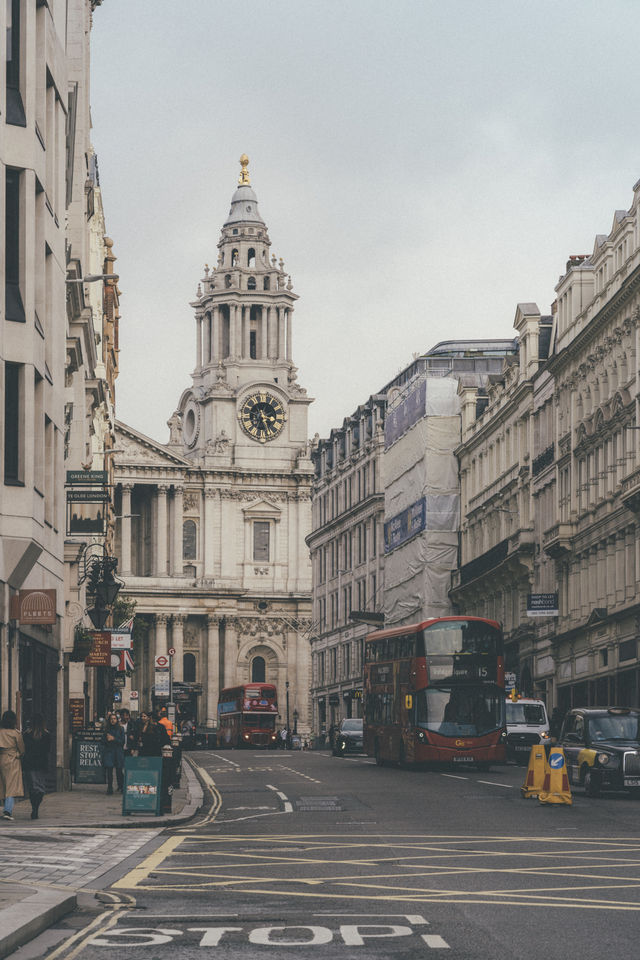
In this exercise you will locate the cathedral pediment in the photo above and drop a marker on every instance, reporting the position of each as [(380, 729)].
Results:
[(261, 507), (135, 447)]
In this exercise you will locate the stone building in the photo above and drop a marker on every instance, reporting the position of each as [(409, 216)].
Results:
[(212, 532), (346, 554), (57, 386), (347, 540), (550, 473)]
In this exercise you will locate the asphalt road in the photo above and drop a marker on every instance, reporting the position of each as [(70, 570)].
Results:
[(300, 854)]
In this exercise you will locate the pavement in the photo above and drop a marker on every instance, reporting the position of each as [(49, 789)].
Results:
[(79, 836)]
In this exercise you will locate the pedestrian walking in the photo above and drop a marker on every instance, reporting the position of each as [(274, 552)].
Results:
[(37, 741), (283, 738), (128, 726), (11, 752), (152, 736), (113, 752)]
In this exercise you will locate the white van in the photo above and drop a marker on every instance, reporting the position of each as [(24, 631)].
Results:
[(527, 725)]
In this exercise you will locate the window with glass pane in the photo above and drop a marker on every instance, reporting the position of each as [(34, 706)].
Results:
[(261, 541), (189, 540)]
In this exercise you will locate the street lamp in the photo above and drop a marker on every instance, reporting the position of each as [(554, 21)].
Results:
[(295, 721), (286, 684)]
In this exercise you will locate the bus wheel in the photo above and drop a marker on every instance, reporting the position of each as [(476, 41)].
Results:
[(376, 752)]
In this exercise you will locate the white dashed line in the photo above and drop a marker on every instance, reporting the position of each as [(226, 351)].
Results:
[(491, 783)]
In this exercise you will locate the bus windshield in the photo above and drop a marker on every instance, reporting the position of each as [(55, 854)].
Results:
[(459, 637), (468, 711)]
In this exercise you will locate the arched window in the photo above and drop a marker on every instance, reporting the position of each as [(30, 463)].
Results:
[(234, 258), (227, 280), (189, 668), (266, 283), (251, 283), (258, 670), (251, 257), (189, 551)]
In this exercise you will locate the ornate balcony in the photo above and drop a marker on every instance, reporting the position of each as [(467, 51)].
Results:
[(630, 494), (556, 541)]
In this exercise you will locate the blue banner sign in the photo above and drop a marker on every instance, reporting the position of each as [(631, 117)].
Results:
[(405, 525), (409, 411), (542, 605)]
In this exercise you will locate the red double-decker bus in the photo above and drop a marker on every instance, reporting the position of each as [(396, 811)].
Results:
[(434, 693), (247, 716)]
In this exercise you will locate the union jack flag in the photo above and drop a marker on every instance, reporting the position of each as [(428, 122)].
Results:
[(126, 660)]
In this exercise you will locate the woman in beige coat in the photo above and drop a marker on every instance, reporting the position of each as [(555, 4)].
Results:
[(11, 750)]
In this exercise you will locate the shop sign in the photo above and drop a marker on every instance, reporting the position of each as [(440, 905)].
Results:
[(121, 640), (542, 605), (35, 606), (100, 655), (93, 477), (76, 711), (87, 496)]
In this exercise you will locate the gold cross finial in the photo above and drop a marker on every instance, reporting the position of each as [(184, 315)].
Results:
[(244, 174)]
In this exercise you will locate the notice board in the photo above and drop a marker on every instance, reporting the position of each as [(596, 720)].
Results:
[(142, 790), (87, 758)]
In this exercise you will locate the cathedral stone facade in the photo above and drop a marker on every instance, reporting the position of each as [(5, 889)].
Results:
[(212, 525)]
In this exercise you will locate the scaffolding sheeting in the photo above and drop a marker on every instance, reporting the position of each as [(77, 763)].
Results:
[(422, 500)]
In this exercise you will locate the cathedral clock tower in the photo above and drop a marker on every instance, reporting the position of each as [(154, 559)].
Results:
[(245, 407)]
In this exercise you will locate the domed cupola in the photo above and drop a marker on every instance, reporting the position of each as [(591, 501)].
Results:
[(244, 203)]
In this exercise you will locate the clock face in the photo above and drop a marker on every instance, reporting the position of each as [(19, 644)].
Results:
[(262, 416)]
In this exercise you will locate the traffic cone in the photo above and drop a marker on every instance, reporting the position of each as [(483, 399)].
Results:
[(534, 782), (555, 788)]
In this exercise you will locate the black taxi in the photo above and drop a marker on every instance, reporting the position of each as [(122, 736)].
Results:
[(602, 748)]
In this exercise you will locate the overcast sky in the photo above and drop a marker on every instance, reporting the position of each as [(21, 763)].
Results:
[(422, 167)]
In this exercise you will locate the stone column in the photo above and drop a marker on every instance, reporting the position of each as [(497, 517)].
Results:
[(280, 351), (209, 532), (178, 523), (270, 312), (161, 634), (178, 644), (230, 651), (247, 332), (161, 547), (215, 342), (207, 339), (199, 342), (233, 330), (213, 671), (264, 333), (125, 531), (289, 318)]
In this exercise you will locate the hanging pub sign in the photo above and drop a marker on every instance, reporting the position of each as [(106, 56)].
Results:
[(100, 655), (542, 605), (88, 516), (34, 606), (76, 712)]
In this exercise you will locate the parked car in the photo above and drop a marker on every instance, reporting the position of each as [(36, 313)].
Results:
[(602, 748), (527, 725), (349, 738)]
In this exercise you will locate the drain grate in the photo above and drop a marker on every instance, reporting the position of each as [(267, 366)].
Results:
[(319, 804)]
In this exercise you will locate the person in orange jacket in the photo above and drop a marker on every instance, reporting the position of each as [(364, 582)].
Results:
[(166, 723)]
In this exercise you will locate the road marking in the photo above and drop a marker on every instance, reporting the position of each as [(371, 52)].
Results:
[(434, 941), (140, 873), (492, 783), (225, 760), (453, 776)]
